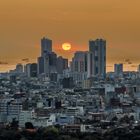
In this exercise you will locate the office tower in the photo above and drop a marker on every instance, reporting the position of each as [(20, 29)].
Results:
[(51, 60), (43, 65), (118, 69), (79, 67), (65, 63), (90, 64), (33, 70), (61, 64), (47, 64), (79, 62), (40, 65), (27, 69), (19, 68), (46, 46), (47, 60), (98, 48)]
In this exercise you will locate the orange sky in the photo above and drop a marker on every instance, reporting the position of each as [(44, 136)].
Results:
[(24, 22)]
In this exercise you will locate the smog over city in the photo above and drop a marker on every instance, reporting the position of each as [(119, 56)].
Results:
[(69, 69)]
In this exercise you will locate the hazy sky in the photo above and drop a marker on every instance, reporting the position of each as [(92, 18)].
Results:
[(24, 22)]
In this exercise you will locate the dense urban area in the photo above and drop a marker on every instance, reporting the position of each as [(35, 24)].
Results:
[(54, 99)]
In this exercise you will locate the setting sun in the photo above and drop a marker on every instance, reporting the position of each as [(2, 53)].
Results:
[(66, 46)]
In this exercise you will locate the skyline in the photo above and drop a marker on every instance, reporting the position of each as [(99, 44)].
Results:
[(23, 23), (128, 64)]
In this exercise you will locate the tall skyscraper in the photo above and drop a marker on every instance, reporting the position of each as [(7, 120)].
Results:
[(46, 46), (118, 69), (47, 60), (41, 65), (31, 70), (79, 62), (98, 48)]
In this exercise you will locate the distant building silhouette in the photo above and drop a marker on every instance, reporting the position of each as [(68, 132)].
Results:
[(61, 64), (98, 48), (79, 62), (118, 69), (31, 70), (19, 68), (46, 46)]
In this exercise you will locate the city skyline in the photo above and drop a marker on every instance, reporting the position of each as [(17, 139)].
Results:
[(128, 64), (23, 23)]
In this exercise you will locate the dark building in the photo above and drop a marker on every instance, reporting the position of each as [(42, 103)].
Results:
[(68, 82), (41, 65), (19, 68), (46, 46), (118, 69), (58, 104), (98, 48), (62, 64), (52, 59), (33, 70), (53, 77)]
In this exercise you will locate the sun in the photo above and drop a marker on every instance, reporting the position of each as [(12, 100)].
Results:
[(66, 46)]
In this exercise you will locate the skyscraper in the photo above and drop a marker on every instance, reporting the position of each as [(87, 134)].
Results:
[(118, 69), (90, 64), (40, 65), (62, 64), (46, 46), (19, 68), (31, 70), (47, 60), (98, 48), (79, 62)]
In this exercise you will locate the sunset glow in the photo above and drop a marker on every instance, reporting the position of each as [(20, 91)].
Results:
[(77, 21), (66, 46)]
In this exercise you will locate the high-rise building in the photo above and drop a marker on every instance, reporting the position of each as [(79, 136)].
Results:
[(118, 69), (46, 46), (47, 60), (19, 68), (47, 64), (79, 62), (78, 67), (90, 64), (41, 65), (27, 69), (31, 70), (62, 64), (98, 48)]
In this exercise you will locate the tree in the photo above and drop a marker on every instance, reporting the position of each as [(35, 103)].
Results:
[(14, 124), (50, 133), (125, 119), (114, 119), (29, 125)]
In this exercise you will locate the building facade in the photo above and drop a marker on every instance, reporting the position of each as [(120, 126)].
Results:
[(98, 48)]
